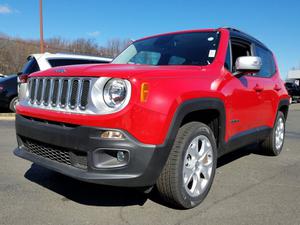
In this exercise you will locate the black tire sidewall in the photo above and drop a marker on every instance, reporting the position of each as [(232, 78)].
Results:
[(185, 198)]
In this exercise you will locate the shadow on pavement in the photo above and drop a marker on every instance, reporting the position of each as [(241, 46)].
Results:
[(82, 192), (100, 195), (240, 153)]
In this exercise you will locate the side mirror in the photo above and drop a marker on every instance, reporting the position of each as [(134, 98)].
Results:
[(248, 64)]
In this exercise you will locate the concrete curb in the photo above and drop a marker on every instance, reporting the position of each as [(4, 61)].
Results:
[(7, 116)]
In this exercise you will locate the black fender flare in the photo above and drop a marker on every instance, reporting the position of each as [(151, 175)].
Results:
[(282, 102), (163, 150), (197, 105)]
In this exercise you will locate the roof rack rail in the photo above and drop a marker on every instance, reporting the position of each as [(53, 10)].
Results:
[(243, 33)]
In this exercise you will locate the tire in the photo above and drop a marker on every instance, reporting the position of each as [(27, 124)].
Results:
[(12, 104), (274, 143), (181, 179)]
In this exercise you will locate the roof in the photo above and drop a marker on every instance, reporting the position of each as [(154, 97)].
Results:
[(236, 32)]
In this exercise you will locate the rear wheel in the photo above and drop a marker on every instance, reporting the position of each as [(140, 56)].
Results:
[(274, 143), (13, 104), (189, 172)]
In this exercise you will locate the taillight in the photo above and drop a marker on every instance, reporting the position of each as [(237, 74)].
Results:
[(1, 88), (23, 78)]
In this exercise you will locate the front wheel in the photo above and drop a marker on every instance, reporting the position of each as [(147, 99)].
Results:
[(274, 143), (189, 172)]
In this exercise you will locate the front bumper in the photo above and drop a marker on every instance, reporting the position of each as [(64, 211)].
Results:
[(82, 142)]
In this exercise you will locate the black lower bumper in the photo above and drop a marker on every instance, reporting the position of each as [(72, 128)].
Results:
[(53, 141)]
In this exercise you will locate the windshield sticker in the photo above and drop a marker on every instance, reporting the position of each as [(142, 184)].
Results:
[(210, 39), (212, 53)]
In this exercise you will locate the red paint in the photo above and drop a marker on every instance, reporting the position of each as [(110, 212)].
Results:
[(251, 100)]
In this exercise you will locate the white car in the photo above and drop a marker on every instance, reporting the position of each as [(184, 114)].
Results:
[(40, 62)]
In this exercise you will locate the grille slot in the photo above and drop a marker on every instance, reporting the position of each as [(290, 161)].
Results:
[(32, 86), (84, 94), (64, 93), (39, 91), (46, 93), (74, 94), (64, 156), (59, 93), (55, 93)]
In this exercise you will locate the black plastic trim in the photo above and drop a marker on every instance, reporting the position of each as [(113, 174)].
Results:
[(140, 171), (245, 138)]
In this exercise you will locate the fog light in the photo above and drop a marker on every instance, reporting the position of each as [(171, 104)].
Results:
[(110, 134), (121, 156), (110, 158)]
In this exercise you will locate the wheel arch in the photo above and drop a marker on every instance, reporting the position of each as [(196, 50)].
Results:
[(183, 110), (283, 107), (197, 109)]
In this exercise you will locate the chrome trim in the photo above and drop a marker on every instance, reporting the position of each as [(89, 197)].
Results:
[(95, 102)]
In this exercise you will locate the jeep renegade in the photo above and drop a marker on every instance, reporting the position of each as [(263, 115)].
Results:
[(160, 114)]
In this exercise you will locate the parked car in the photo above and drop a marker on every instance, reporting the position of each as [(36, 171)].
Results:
[(40, 62), (160, 114), (293, 90), (8, 92)]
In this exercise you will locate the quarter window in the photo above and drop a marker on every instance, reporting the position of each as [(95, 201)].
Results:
[(268, 65)]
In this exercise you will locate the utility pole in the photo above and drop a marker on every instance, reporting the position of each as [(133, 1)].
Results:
[(41, 28)]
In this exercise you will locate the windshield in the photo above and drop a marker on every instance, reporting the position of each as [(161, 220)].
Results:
[(195, 48)]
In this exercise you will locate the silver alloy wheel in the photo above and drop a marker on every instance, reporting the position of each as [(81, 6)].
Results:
[(197, 166), (279, 133)]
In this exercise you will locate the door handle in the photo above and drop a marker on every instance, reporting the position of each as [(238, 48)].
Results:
[(258, 88), (277, 87)]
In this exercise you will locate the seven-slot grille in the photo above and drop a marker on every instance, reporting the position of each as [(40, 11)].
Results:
[(62, 93)]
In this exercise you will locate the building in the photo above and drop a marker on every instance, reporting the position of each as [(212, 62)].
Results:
[(294, 76)]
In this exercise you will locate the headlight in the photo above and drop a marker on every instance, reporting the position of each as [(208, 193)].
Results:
[(115, 92), (23, 91)]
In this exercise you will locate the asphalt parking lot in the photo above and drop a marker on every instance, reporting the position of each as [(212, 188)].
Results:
[(249, 188)]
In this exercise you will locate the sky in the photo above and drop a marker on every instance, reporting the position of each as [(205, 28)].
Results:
[(275, 23)]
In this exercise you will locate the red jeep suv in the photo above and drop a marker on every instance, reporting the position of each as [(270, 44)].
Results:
[(161, 114)]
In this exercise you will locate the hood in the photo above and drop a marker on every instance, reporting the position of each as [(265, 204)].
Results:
[(125, 71)]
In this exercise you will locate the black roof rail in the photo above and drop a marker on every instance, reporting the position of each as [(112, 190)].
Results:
[(232, 29)]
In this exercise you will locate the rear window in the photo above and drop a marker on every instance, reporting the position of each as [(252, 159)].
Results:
[(31, 66), (67, 62)]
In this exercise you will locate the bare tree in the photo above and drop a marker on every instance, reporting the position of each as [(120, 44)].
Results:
[(14, 51)]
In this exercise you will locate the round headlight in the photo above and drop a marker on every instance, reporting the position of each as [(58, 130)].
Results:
[(115, 92)]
